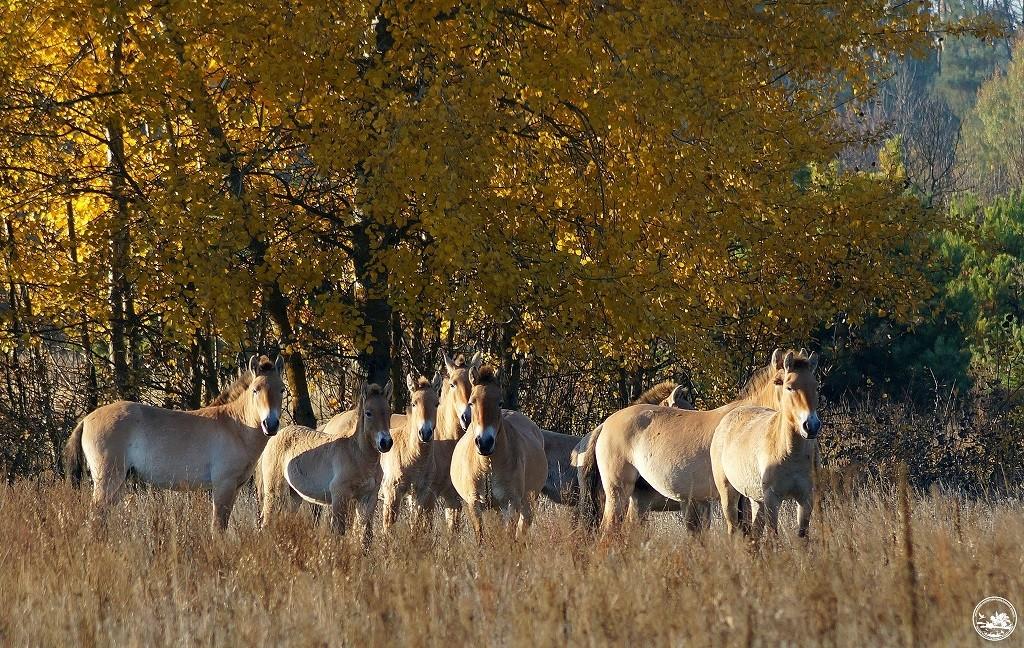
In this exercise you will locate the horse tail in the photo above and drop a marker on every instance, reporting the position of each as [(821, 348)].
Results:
[(588, 477), (73, 455)]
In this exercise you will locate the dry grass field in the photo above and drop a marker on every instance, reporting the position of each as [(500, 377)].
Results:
[(153, 575)]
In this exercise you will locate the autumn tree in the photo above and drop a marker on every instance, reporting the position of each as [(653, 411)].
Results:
[(579, 179)]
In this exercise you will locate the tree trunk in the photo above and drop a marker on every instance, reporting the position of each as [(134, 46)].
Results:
[(375, 359), (295, 365), (92, 387), (401, 395), (511, 366), (119, 296)]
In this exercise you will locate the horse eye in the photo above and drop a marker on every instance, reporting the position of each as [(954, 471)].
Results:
[(452, 385), (369, 414), (791, 388)]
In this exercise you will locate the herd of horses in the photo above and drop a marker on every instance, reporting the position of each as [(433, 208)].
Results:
[(456, 449)]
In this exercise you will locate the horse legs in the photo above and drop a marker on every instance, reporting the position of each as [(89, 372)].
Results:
[(618, 490), (525, 517), (475, 513), (389, 506), (453, 518), (107, 490), (698, 516), (804, 503), (340, 496), (768, 514), (224, 494), (364, 516), (730, 505)]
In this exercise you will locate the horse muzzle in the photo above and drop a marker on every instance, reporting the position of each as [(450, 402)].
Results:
[(812, 426), (270, 425), (426, 433), (384, 442), (466, 418), (485, 444)]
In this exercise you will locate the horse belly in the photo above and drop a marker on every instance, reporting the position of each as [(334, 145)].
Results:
[(675, 476), (166, 467)]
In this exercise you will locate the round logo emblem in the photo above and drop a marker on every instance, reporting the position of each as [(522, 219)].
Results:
[(995, 618)]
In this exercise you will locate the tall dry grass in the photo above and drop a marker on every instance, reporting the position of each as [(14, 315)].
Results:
[(153, 575)]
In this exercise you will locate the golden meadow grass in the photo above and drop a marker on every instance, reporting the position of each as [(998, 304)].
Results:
[(153, 575)]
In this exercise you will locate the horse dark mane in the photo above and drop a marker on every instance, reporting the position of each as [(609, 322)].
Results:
[(422, 383), (243, 380), (485, 376), (235, 389), (459, 362), (756, 384), (655, 395)]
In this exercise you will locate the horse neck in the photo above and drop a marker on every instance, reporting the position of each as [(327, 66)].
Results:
[(447, 428), (782, 438), (411, 449), (760, 391), (240, 410)]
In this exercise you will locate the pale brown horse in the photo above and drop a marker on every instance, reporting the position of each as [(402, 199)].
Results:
[(665, 449), (407, 467), (768, 454), (563, 485), (500, 462), (212, 448), (331, 470), (453, 418)]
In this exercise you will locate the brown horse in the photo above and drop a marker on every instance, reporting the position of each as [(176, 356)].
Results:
[(562, 485), (453, 418), (407, 467), (667, 450), (768, 454), (500, 462), (331, 470), (212, 448)]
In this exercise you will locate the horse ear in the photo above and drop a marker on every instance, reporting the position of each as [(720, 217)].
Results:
[(474, 373), (678, 398), (279, 363), (364, 389), (436, 382), (448, 364), (389, 390), (253, 364), (776, 361), (410, 381), (812, 361), (787, 362), (478, 359)]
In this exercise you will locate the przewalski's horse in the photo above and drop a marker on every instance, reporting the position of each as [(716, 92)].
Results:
[(452, 420), (500, 462), (331, 470), (407, 467), (563, 485), (768, 454), (213, 448), (668, 450)]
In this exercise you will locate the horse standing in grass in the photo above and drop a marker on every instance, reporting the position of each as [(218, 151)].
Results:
[(500, 462), (331, 470), (644, 453), (453, 417), (563, 485), (768, 454), (214, 447), (407, 467)]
